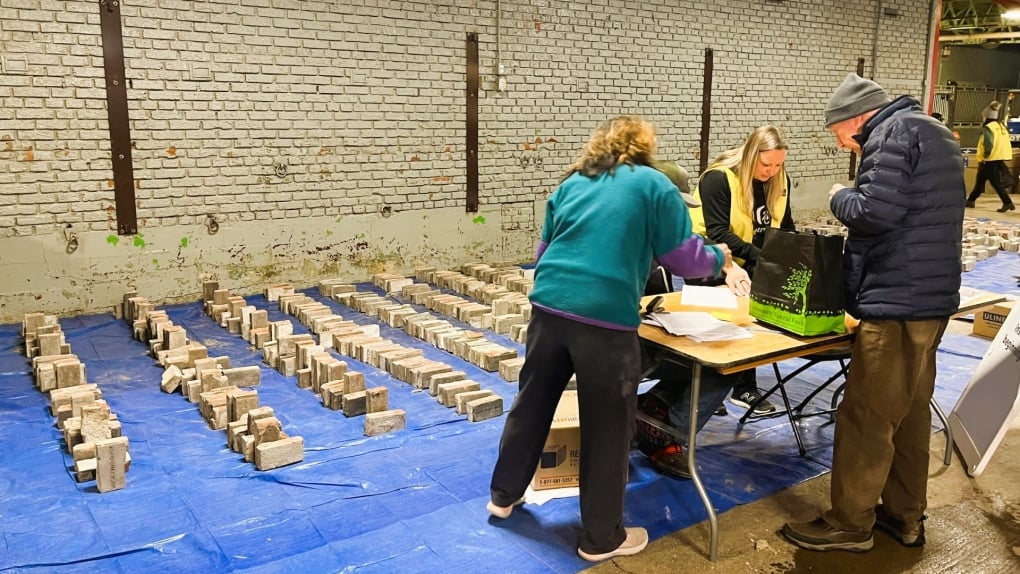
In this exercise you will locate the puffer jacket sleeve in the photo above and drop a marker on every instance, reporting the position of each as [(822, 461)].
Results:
[(877, 204)]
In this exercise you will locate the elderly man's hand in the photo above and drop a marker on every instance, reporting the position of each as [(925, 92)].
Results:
[(836, 188)]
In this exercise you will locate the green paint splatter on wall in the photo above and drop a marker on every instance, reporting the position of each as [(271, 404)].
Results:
[(139, 241), (339, 219), (479, 219), (184, 242), (112, 239), (156, 263), (328, 233)]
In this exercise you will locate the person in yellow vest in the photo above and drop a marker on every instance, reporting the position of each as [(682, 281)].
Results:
[(992, 153), (727, 215), (743, 192)]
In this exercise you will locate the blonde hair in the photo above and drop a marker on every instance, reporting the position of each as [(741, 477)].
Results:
[(621, 140), (743, 160)]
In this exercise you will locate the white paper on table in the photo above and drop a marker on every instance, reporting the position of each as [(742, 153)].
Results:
[(698, 325), (700, 296), (968, 294)]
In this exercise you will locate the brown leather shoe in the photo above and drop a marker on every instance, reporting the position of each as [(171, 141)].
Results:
[(1006, 208), (971, 204), (908, 534), (819, 535)]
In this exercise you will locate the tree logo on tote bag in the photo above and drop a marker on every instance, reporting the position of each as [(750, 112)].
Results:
[(796, 286)]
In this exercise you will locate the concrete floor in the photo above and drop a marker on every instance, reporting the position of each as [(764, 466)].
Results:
[(973, 524), (973, 527)]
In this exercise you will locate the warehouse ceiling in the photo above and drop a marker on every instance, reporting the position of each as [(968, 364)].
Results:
[(982, 22)]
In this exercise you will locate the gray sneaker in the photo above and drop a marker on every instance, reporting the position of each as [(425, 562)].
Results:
[(749, 398), (637, 539), (819, 535), (908, 534)]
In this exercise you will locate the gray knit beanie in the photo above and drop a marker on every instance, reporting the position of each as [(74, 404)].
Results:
[(855, 96)]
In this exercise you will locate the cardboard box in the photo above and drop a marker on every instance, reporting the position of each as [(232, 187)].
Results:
[(988, 320), (558, 466)]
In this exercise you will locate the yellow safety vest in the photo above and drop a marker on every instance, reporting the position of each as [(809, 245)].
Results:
[(1001, 149), (740, 221)]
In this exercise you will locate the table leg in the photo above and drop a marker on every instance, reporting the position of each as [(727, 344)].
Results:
[(948, 458), (692, 433)]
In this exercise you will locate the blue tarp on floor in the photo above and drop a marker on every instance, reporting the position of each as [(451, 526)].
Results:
[(410, 501)]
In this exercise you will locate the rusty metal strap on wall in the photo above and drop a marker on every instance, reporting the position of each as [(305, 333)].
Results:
[(117, 115), (472, 123), (706, 109)]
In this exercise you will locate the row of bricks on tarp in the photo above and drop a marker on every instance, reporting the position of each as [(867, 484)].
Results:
[(298, 355), (224, 395), (496, 296), (91, 431), (329, 377)]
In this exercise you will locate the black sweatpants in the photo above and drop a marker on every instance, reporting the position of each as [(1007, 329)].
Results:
[(607, 364)]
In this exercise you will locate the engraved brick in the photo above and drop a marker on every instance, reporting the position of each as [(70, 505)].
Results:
[(354, 404), (279, 453), (448, 391), (435, 380), (376, 400), (462, 399), (484, 408), (111, 463), (384, 422)]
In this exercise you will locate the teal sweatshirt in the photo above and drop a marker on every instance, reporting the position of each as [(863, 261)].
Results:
[(598, 240)]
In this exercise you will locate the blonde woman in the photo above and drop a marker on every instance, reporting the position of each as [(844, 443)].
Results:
[(604, 223), (743, 192)]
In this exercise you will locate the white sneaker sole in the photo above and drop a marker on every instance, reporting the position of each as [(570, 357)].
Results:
[(622, 550), (502, 512)]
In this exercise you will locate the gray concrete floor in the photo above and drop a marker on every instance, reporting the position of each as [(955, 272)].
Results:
[(973, 527), (973, 524)]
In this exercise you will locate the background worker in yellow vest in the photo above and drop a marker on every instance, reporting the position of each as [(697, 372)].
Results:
[(730, 216), (993, 151)]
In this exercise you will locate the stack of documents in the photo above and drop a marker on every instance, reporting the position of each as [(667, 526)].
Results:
[(698, 326)]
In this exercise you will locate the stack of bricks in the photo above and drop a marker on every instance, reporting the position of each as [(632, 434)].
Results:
[(984, 239), (256, 433), (503, 289), (981, 239), (223, 394), (92, 433), (408, 364), (441, 333), (224, 401), (315, 368)]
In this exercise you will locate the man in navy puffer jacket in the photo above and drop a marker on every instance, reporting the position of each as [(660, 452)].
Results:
[(902, 269)]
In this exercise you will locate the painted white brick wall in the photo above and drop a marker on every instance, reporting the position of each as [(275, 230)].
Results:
[(362, 102)]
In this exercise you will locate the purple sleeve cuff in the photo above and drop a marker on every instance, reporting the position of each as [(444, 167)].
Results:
[(693, 259), (540, 250)]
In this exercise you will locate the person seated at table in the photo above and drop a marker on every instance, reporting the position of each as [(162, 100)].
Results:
[(728, 215)]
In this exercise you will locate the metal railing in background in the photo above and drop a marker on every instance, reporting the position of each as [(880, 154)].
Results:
[(961, 107)]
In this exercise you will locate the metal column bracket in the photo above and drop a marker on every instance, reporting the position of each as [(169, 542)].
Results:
[(117, 115), (471, 106), (706, 109)]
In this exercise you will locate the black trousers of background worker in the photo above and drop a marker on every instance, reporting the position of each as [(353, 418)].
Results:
[(607, 364), (998, 174)]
